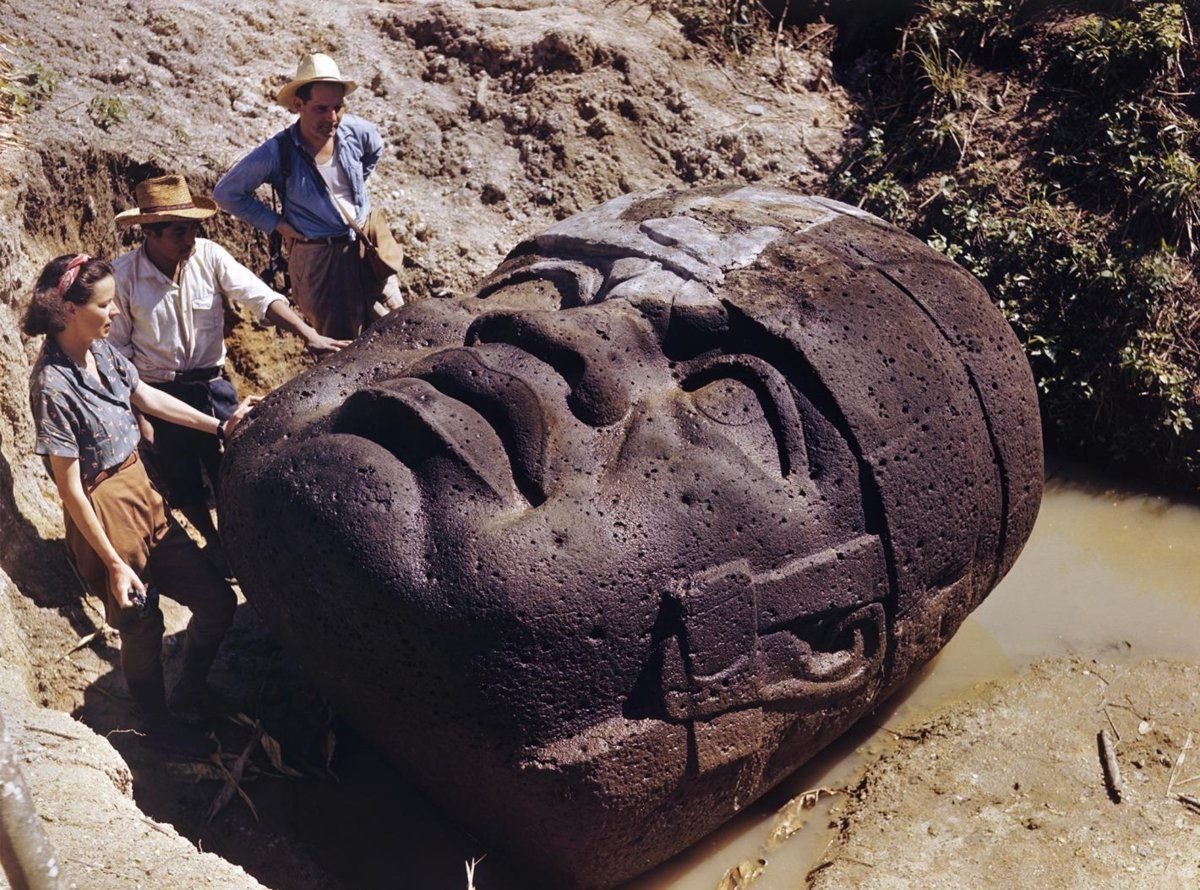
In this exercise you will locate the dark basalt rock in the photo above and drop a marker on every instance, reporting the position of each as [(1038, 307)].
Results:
[(602, 553)]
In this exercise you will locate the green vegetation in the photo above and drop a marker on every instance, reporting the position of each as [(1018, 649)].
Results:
[(106, 113), (1054, 150), (23, 91)]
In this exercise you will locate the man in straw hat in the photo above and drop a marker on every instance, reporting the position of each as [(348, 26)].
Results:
[(172, 326), (319, 166)]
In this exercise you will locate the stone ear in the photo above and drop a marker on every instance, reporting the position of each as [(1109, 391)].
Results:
[(726, 654), (824, 663)]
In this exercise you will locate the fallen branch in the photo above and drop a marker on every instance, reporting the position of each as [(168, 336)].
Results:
[(1112, 772)]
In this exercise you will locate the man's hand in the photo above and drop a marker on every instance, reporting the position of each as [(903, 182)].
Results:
[(287, 231), (319, 345), (123, 581), (244, 407)]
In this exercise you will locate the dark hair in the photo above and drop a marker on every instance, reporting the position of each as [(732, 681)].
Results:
[(47, 311), (155, 228), (304, 93)]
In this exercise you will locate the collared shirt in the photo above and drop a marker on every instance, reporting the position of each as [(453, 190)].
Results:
[(166, 327), (306, 203), (78, 416)]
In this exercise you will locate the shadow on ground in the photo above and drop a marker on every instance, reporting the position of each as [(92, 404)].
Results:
[(322, 810)]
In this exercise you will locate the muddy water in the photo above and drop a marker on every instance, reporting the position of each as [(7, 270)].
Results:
[(1107, 574)]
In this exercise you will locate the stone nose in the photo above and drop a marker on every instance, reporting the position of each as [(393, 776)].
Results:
[(602, 353)]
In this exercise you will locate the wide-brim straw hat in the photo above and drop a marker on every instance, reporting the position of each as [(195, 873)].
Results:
[(313, 68), (163, 199)]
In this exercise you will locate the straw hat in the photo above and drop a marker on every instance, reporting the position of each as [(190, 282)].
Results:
[(163, 199), (313, 68)]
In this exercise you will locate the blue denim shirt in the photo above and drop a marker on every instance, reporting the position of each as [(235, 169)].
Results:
[(307, 205)]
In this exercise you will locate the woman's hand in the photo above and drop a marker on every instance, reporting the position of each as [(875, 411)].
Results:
[(123, 582)]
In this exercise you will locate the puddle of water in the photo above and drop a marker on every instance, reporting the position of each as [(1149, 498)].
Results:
[(1106, 574)]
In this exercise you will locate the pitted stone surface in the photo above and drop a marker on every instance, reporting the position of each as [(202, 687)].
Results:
[(604, 552)]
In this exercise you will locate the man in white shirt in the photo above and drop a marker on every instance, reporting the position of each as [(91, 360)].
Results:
[(171, 325)]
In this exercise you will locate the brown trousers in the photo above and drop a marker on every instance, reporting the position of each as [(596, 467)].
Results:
[(136, 521), (333, 286)]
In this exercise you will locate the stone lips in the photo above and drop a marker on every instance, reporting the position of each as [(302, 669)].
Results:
[(601, 554)]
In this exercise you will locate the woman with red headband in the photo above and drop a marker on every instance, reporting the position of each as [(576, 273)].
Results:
[(119, 533)]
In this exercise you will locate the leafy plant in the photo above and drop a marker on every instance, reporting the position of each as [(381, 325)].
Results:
[(106, 113), (1055, 153), (23, 91)]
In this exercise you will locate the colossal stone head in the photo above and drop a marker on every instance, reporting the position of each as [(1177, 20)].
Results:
[(604, 551)]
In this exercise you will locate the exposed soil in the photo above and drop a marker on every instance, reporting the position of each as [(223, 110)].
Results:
[(1007, 788), (499, 117)]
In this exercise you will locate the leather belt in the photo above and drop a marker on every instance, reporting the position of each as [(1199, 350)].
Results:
[(330, 239), (198, 375), (112, 471)]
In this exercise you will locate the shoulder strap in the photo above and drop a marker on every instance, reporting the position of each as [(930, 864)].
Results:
[(312, 165), (283, 142)]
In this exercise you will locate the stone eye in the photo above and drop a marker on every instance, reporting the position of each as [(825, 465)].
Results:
[(729, 401), (734, 398)]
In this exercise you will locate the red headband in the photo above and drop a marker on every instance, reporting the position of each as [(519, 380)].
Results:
[(71, 273)]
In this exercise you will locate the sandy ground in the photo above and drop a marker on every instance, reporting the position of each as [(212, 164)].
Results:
[(1007, 787)]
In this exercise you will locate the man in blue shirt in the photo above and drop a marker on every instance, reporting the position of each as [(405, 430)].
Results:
[(319, 166)]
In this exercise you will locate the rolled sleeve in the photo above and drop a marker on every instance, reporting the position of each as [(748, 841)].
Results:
[(240, 284), (234, 192), (55, 435)]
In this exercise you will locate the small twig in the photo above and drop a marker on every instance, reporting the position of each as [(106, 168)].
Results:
[(856, 861), (1112, 725), (156, 827), (1178, 765), (136, 732), (1112, 772), (61, 735), (63, 111), (471, 871), (908, 737), (98, 688), (1188, 780), (82, 642)]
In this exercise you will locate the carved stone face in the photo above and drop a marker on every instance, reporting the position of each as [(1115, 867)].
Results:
[(621, 540)]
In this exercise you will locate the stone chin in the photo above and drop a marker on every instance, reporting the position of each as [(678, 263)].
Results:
[(601, 553)]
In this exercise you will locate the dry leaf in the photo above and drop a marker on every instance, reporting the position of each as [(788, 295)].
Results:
[(275, 755), (791, 818), (743, 875)]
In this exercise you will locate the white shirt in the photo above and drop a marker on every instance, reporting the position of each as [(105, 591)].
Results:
[(339, 186), (166, 327)]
